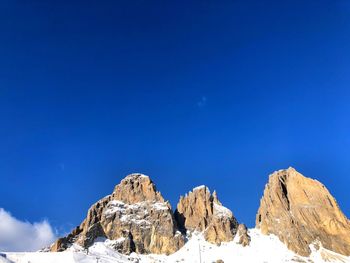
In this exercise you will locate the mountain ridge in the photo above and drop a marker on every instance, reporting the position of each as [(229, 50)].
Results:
[(143, 222)]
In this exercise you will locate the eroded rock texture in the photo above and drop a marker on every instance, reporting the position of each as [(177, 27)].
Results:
[(242, 235), (135, 217), (301, 211), (201, 211)]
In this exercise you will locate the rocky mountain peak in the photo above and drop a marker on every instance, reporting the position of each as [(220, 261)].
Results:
[(136, 188), (300, 211), (134, 217), (199, 210)]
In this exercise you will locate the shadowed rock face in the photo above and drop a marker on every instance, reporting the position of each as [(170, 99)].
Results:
[(301, 211), (135, 216), (201, 211)]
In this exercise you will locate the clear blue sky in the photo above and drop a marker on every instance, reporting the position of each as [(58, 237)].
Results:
[(220, 93)]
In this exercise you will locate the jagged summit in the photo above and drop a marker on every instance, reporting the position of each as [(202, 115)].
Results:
[(199, 210), (136, 188), (205, 189), (300, 211), (135, 216)]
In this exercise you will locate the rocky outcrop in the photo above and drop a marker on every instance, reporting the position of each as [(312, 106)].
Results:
[(91, 226), (201, 211), (301, 211), (63, 243), (242, 235), (135, 217), (88, 230)]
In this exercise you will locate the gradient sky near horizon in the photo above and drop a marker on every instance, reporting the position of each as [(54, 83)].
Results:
[(220, 93)]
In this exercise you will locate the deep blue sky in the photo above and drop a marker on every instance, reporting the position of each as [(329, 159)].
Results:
[(220, 93)]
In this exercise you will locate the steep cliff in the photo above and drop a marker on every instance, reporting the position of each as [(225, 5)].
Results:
[(301, 211)]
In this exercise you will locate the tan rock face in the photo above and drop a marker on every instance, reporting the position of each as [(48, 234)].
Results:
[(300, 211), (242, 235), (150, 226), (91, 227), (136, 188), (201, 211), (135, 217)]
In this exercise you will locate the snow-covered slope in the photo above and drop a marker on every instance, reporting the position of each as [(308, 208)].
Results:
[(262, 249), (3, 258)]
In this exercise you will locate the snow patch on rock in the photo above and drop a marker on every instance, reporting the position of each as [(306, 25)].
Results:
[(221, 211), (199, 188)]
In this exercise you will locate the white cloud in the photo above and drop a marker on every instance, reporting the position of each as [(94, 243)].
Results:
[(17, 235)]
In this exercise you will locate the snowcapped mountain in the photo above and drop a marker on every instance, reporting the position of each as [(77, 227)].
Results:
[(263, 248), (298, 221)]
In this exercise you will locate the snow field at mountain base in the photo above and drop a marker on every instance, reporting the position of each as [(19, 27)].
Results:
[(263, 249)]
